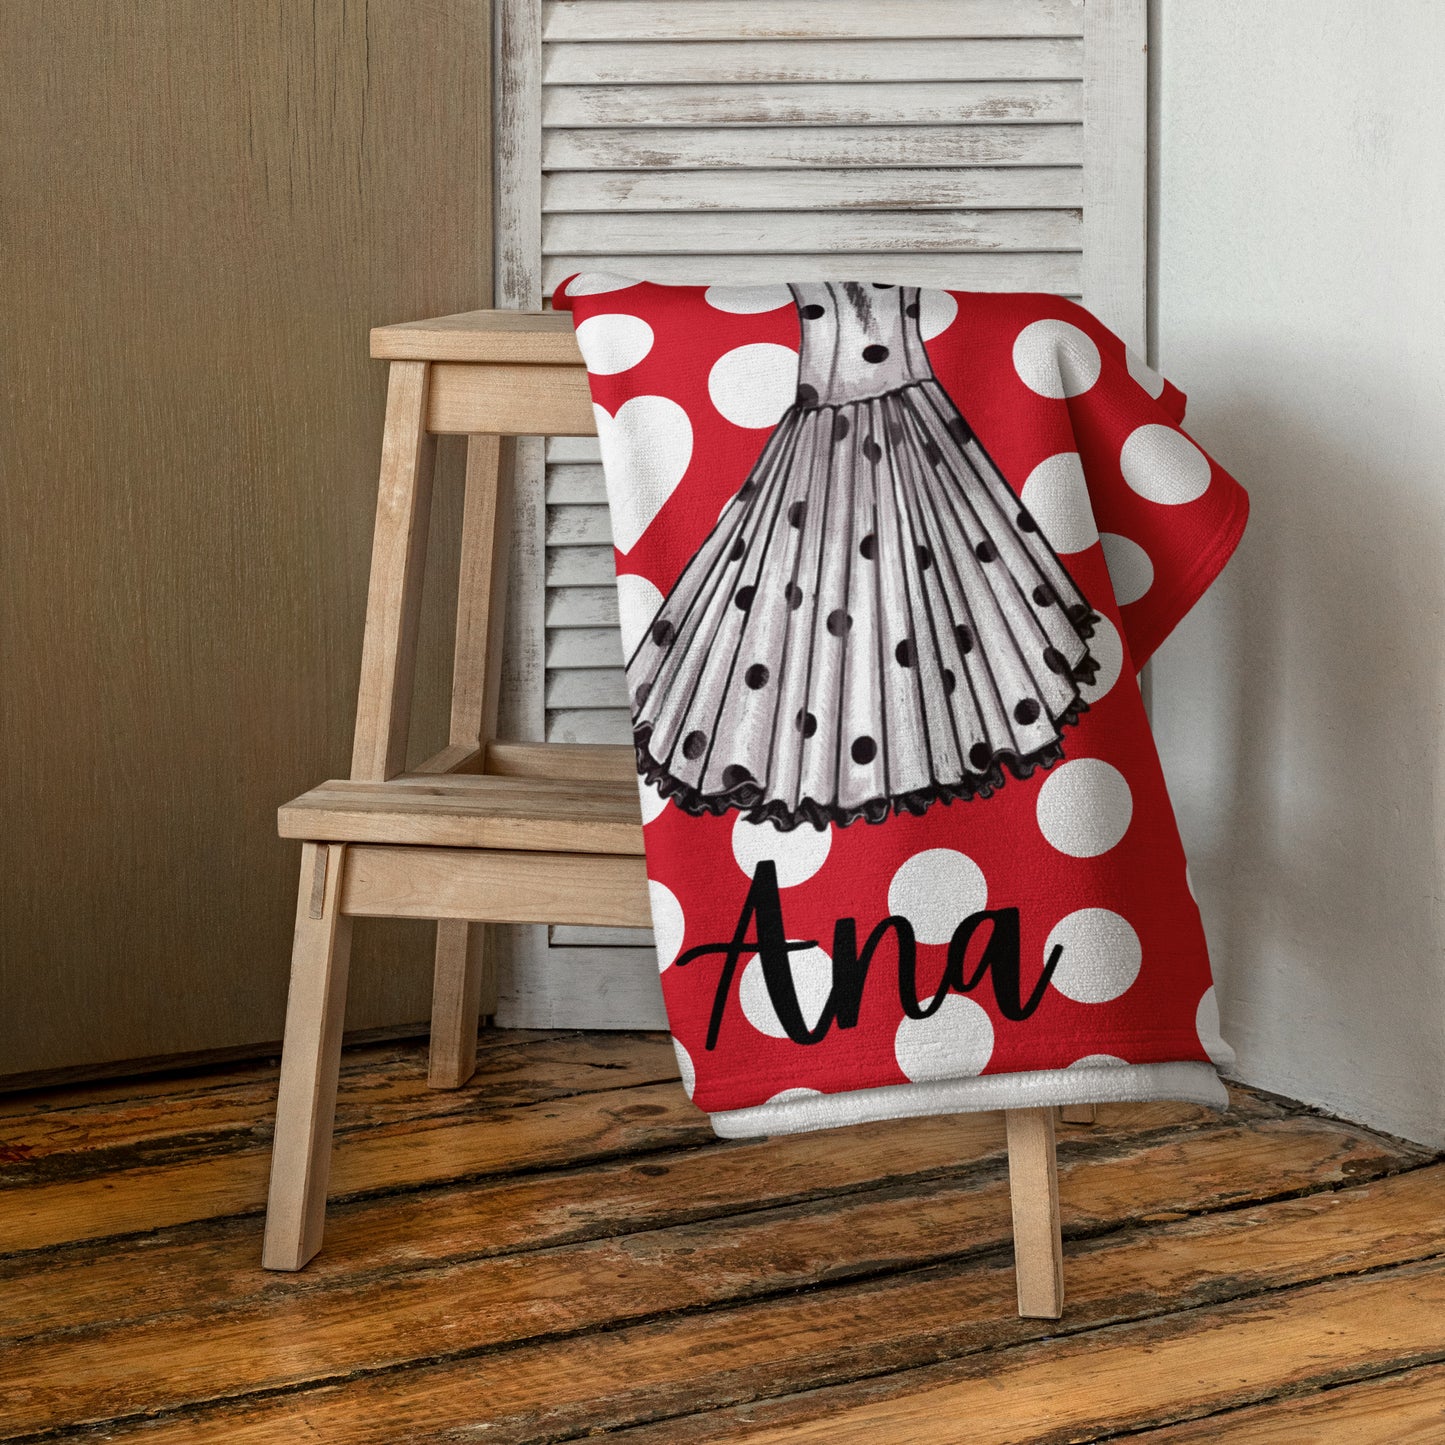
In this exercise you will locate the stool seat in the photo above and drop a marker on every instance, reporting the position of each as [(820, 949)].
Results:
[(469, 810)]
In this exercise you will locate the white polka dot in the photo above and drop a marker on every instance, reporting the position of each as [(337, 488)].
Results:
[(614, 342), (1101, 956), (1084, 807), (594, 283), (747, 300), (685, 1068), (646, 448), (1107, 649), (1189, 884), (1056, 359), (1163, 465), (667, 923), (936, 311), (654, 805), (784, 1095), (1057, 498), (1206, 1025), (1100, 1061), (812, 981), (1130, 569), (1144, 374), (754, 385), (954, 1043), (798, 854), (637, 604), (936, 890)]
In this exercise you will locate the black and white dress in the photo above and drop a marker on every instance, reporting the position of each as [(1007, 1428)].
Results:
[(875, 623)]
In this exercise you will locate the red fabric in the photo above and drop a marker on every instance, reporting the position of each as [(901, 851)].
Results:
[(694, 861)]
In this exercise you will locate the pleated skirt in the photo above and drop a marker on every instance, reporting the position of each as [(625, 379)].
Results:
[(874, 625)]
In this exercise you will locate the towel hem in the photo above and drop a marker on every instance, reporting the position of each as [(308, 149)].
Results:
[(1195, 1083)]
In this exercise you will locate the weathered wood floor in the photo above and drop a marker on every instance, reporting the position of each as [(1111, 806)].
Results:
[(563, 1250)]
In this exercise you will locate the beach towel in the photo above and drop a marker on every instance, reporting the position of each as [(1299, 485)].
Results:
[(888, 562)]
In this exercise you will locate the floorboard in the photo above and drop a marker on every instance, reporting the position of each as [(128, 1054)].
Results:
[(1402, 1409), (563, 1250)]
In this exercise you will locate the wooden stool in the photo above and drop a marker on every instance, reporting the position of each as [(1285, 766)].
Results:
[(486, 831)]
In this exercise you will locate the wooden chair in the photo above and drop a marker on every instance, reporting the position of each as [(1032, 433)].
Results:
[(487, 831)]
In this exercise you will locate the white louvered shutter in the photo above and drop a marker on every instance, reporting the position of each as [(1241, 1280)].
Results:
[(983, 144)]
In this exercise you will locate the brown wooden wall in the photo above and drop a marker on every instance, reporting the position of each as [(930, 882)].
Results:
[(207, 202)]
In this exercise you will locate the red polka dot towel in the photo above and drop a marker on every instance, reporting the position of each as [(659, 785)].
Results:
[(888, 561)]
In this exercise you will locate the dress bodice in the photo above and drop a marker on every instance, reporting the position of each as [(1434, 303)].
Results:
[(858, 341)]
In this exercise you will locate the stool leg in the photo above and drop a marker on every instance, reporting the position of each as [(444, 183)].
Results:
[(310, 1063), (1078, 1113), (462, 983), (1034, 1191)]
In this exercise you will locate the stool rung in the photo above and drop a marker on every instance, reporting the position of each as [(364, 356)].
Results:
[(496, 887)]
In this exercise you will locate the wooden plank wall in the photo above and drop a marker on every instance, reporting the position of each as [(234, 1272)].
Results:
[(207, 205)]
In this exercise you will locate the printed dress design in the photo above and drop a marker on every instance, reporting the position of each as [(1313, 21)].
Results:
[(876, 623)]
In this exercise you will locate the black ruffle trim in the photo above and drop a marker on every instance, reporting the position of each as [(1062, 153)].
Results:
[(1082, 618), (747, 797)]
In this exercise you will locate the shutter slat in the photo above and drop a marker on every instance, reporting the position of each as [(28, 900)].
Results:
[(898, 103), (848, 147), (582, 687), (573, 449), (576, 483), (584, 647), (581, 607), (578, 525), (580, 566), (779, 232), (608, 192), (812, 61), (589, 725), (1057, 271), (839, 19)]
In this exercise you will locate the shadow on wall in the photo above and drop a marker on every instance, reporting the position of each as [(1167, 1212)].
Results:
[(1299, 713)]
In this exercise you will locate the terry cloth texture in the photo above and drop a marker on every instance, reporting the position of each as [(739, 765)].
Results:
[(888, 561)]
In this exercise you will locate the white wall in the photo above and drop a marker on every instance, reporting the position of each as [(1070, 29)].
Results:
[(1300, 247)]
